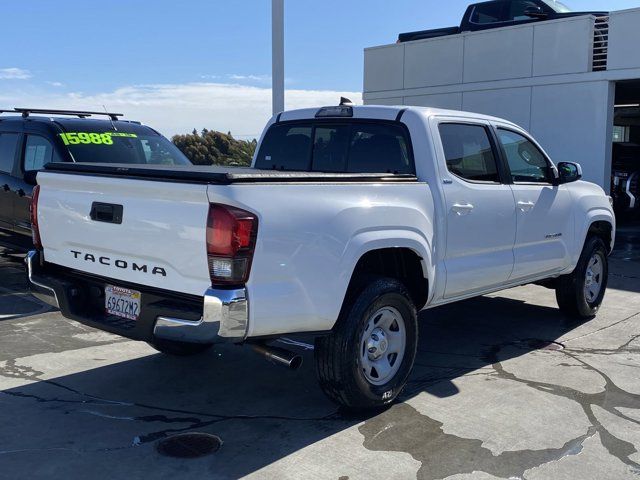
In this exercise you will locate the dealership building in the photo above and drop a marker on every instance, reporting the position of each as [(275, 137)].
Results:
[(574, 83)]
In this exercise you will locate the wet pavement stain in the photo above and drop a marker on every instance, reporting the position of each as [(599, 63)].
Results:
[(610, 399), (404, 429)]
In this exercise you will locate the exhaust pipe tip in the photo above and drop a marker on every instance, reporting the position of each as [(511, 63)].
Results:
[(279, 356), (296, 362)]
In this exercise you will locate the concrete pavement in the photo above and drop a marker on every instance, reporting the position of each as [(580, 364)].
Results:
[(504, 387)]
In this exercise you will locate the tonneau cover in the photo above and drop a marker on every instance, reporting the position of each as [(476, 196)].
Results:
[(220, 175)]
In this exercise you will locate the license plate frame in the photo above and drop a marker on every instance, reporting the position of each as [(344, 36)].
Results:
[(122, 302)]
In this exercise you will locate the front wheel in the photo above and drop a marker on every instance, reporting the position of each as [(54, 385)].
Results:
[(580, 294), (364, 363)]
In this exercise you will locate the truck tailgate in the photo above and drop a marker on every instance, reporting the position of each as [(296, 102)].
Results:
[(160, 241)]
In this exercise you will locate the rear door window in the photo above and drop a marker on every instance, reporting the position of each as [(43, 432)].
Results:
[(38, 151), (8, 146), (468, 152), (490, 12), (346, 147)]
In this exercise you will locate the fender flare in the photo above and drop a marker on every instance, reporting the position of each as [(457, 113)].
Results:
[(368, 241), (594, 215)]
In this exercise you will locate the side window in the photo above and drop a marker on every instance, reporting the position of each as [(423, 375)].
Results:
[(38, 151), (526, 162), (379, 148), (468, 152), (490, 12), (286, 147), (8, 145), (517, 9)]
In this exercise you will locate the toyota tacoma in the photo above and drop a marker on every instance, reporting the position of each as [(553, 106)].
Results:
[(351, 220)]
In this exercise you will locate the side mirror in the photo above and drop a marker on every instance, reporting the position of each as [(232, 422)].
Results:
[(569, 172), (30, 177), (535, 12)]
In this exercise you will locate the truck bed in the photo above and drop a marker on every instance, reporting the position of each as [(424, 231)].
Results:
[(219, 175)]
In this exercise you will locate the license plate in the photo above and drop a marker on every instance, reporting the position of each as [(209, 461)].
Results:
[(122, 302)]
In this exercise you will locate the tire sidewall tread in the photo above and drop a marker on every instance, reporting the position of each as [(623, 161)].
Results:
[(337, 355)]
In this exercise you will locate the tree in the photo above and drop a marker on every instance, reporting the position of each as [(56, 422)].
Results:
[(215, 148)]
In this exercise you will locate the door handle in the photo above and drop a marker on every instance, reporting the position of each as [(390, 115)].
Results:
[(20, 192), (462, 208), (526, 206), (6, 187)]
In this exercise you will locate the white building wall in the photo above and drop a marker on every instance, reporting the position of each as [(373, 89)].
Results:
[(537, 75), (624, 39), (573, 123), (510, 103)]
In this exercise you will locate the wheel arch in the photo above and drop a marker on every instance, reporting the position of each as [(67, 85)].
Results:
[(405, 259), (599, 222)]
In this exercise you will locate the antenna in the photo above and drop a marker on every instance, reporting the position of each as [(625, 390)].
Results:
[(113, 125)]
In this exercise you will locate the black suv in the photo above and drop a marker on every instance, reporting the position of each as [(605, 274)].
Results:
[(29, 142)]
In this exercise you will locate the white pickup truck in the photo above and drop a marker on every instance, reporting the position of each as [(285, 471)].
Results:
[(351, 220)]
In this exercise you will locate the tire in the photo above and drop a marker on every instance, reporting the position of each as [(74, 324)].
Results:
[(370, 325), (179, 349), (574, 297)]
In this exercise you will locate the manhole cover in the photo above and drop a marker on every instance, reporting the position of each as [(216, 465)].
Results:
[(189, 445)]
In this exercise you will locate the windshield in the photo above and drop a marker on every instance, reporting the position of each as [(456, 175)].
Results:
[(558, 7), (122, 147)]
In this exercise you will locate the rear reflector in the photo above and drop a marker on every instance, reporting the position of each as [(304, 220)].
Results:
[(231, 239), (33, 214)]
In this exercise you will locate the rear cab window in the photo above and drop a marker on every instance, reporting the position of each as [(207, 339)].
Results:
[(335, 146), (115, 146)]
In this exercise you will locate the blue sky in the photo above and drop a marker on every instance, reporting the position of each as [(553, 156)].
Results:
[(81, 53)]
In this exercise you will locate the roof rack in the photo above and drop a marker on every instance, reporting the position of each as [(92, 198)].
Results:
[(74, 113)]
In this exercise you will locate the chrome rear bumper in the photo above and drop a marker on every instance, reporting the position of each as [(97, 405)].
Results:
[(38, 288), (224, 314)]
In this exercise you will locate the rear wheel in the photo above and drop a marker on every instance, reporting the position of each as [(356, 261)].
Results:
[(580, 294), (365, 362), (179, 349)]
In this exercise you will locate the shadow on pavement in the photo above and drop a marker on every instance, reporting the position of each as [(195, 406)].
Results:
[(262, 413)]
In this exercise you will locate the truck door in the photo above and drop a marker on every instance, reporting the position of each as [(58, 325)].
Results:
[(37, 152), (480, 210), (545, 216), (8, 150)]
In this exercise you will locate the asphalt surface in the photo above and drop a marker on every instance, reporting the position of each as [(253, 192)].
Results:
[(504, 387)]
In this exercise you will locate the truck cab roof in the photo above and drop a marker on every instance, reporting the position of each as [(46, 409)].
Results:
[(381, 112)]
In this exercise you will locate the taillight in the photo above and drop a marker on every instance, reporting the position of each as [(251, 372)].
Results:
[(231, 240), (33, 214)]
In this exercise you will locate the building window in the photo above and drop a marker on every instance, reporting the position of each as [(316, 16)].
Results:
[(620, 134)]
